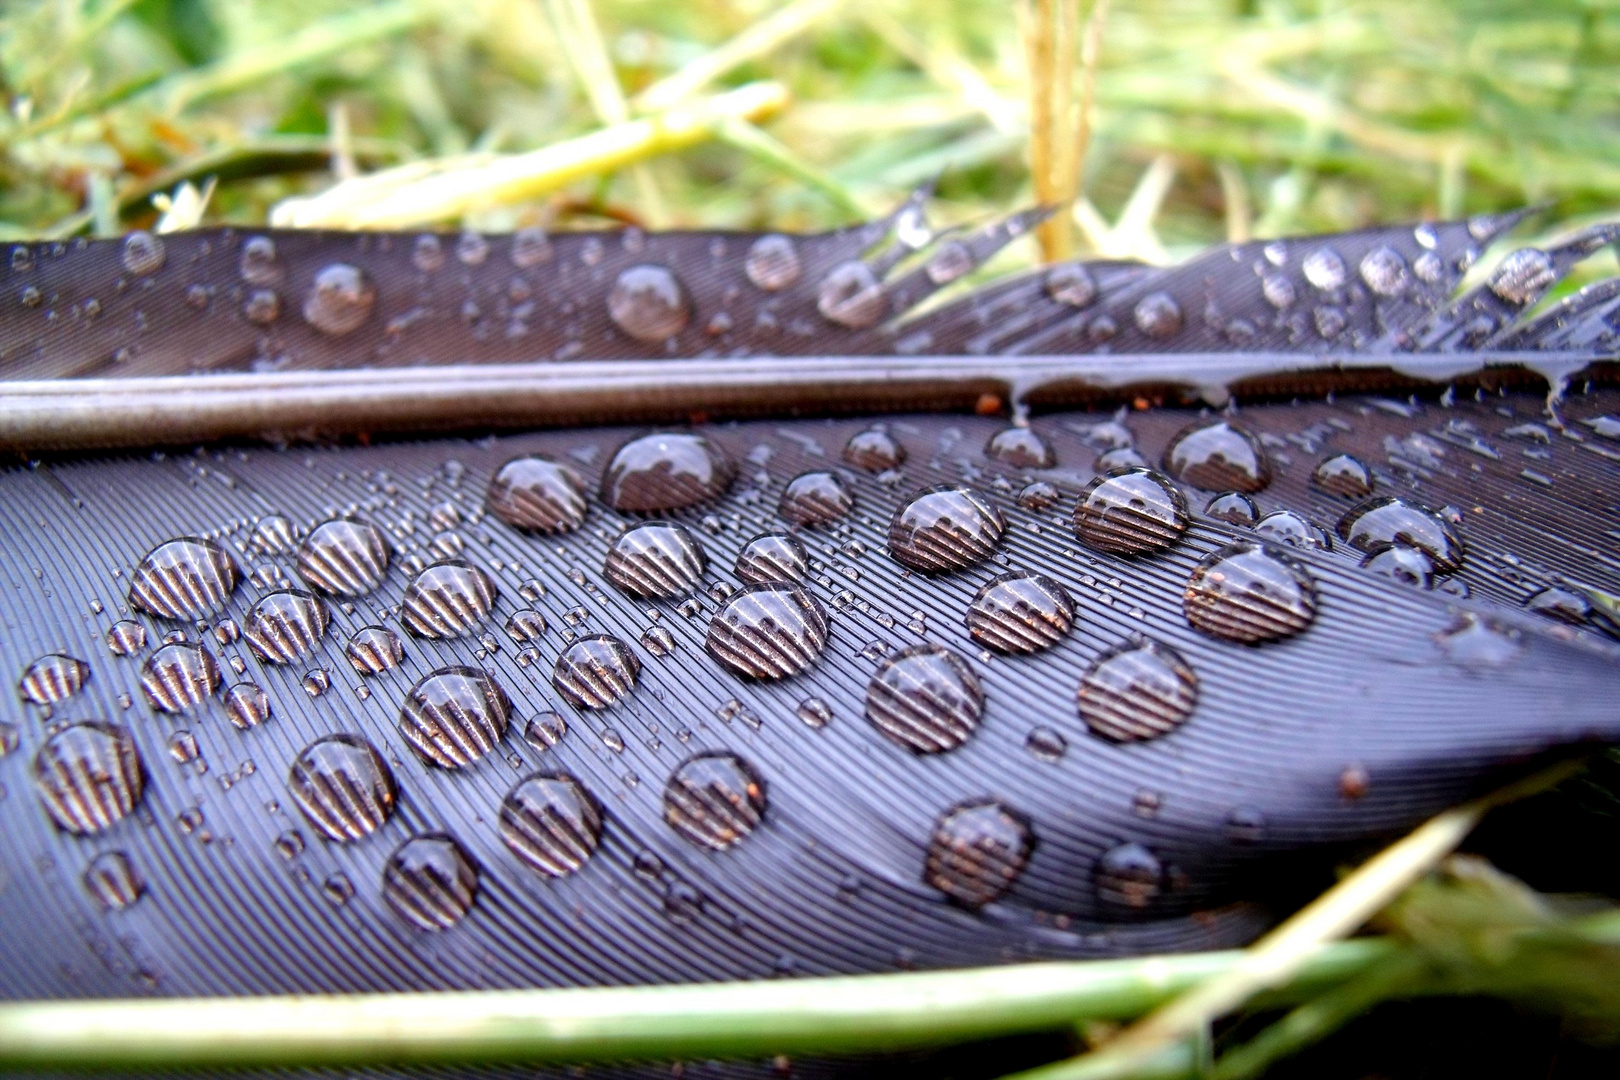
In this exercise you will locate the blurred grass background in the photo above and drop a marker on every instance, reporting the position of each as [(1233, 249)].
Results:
[(1209, 120)]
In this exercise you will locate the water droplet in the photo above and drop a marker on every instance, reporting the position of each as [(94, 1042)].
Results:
[(1564, 605), (1021, 448), (1129, 876), (338, 889), (526, 624), (258, 264), (284, 626), (1523, 276), (183, 579), (1046, 744), (530, 247), (1344, 475), (289, 845), (1354, 782), (1157, 315), (852, 296), (537, 495), (596, 672), (1287, 527), (430, 882), (316, 682), (945, 528), (768, 631), (340, 300), (815, 498), (815, 712), (247, 705), (1389, 520), (126, 637), (262, 307), (1278, 290), (1218, 456), (1233, 506), (1133, 512), (977, 852), (88, 776), (874, 450), (142, 253), (773, 557), (1246, 825), (1401, 563), (545, 730), (178, 676), (656, 559), (374, 649), (1071, 284), (715, 800), (183, 747), (1038, 496), (1324, 269), (658, 641), (9, 738), (112, 881), (1137, 692), (1249, 593), (551, 823), (455, 716), (666, 471), (648, 303), (1477, 643), (343, 786), (344, 557), (1020, 612), (447, 600), (1384, 271), (773, 263), (53, 678), (926, 699)]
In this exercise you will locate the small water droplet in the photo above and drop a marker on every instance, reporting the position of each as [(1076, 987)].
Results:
[(656, 559), (1021, 448), (1046, 744), (852, 296), (1324, 269), (183, 747), (1401, 563), (648, 303), (112, 881), (261, 307), (658, 641), (768, 631), (815, 498), (1218, 456), (1476, 643), (945, 528), (1354, 782), (773, 263), (1344, 475), (1384, 271), (1246, 825), (977, 852), (1129, 876), (1523, 276), (715, 800), (1038, 496), (53, 678), (446, 600), (338, 889), (88, 776), (373, 650), (1071, 284), (188, 578), (1133, 512), (1278, 290), (815, 712), (1137, 692), (289, 845), (926, 699), (551, 823), (1565, 605), (1020, 612), (1158, 315), (1389, 519), (316, 682), (340, 300), (343, 786), (9, 738), (344, 557), (1250, 593), (666, 471), (247, 705), (596, 672), (874, 450), (1234, 507), (126, 637), (178, 676), (142, 253), (430, 881), (545, 730), (1287, 527), (773, 557)]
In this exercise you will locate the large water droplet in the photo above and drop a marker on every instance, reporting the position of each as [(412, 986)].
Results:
[(53, 678), (1021, 448), (1565, 605), (945, 528), (552, 823), (537, 495), (340, 300), (1218, 456), (1324, 269), (455, 716), (771, 558), (768, 631), (1133, 512), (112, 881), (666, 471), (258, 264), (446, 600), (1390, 520), (88, 776), (1401, 563), (773, 263), (344, 557), (178, 676), (715, 800), (285, 626), (1234, 507), (430, 881), (1384, 271), (247, 705), (142, 253), (1345, 475), (125, 638), (815, 498), (1020, 612), (1137, 691), (343, 786), (1477, 643), (874, 450), (977, 852), (852, 296), (648, 303), (1157, 315), (273, 534), (1129, 876), (596, 672), (926, 699), (1523, 276), (1071, 284), (374, 649), (656, 559), (1250, 593), (183, 579)]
